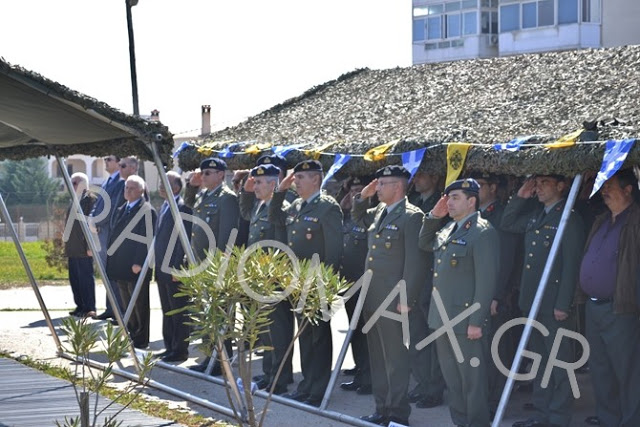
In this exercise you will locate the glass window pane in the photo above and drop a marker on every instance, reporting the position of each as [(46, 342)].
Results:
[(469, 4), (494, 22), (453, 25), (457, 43), (485, 22), (470, 23), (590, 10), (529, 15), (485, 3), (545, 13), (444, 45), (420, 11), (418, 30), (452, 6), (434, 28), (494, 3), (567, 11), (509, 18), (430, 46), (435, 9)]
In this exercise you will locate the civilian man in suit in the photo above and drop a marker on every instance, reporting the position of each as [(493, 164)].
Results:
[(254, 207), (466, 252), (126, 255), (314, 226), (393, 256), (552, 403), (175, 331), (102, 213), (78, 252)]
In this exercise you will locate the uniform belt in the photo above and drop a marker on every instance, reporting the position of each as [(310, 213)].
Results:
[(600, 300)]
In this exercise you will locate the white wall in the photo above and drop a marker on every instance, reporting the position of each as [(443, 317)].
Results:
[(474, 47), (620, 22), (545, 39)]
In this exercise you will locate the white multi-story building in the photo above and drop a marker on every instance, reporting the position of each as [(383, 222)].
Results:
[(466, 29)]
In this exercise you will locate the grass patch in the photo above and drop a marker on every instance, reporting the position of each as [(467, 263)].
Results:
[(13, 273)]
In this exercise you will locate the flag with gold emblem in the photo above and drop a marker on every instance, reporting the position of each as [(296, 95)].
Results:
[(567, 140), (379, 152), (456, 155), (316, 152)]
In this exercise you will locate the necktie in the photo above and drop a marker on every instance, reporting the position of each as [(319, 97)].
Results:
[(106, 184), (453, 230), (383, 215), (303, 205), (165, 208), (127, 209), (261, 208)]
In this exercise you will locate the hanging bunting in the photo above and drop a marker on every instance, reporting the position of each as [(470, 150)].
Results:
[(226, 152), (379, 152), (338, 163), (615, 153), (456, 155), (411, 160), (317, 152), (257, 148), (282, 150), (514, 144), (182, 146), (566, 141)]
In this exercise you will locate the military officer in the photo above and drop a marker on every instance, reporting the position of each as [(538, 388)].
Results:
[(393, 256), (216, 205), (425, 192), (314, 226), (552, 403), (281, 163), (466, 252), (254, 207)]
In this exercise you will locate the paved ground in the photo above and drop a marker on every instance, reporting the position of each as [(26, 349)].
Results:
[(24, 332)]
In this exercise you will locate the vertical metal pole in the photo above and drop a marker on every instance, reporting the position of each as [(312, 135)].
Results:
[(132, 57), (9, 225), (94, 249), (535, 307)]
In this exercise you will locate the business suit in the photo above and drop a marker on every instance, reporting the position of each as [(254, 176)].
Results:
[(175, 331), (465, 272), (126, 253), (280, 332), (315, 228), (553, 403), (393, 255)]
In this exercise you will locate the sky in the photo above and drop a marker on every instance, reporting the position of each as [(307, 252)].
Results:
[(239, 56)]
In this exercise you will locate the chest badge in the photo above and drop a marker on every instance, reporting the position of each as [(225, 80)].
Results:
[(454, 262)]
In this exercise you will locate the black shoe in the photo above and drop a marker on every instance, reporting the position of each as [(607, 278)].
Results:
[(414, 396), (350, 372), (429, 402), (398, 420), (296, 395), (376, 418), (350, 386), (277, 390), (313, 401), (200, 367), (75, 312), (141, 345), (593, 420), (258, 377), (531, 422), (162, 354), (104, 316), (262, 383), (364, 390), (175, 357)]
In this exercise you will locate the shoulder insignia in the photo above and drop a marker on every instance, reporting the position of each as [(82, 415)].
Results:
[(491, 207), (467, 225)]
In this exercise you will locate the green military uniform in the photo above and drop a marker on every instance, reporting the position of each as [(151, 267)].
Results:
[(424, 203), (280, 331), (219, 209), (554, 402), (393, 256), (465, 273), (315, 228)]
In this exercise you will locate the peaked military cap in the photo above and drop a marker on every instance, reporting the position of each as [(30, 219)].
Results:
[(393, 171), (265, 170), (273, 159), (468, 184), (360, 180), (213, 163), (308, 166)]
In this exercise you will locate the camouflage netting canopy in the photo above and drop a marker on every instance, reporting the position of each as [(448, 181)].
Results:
[(482, 101), (40, 117)]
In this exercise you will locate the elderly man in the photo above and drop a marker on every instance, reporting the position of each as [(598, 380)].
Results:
[(314, 226), (127, 254), (466, 252), (254, 207), (175, 330), (393, 256), (608, 282), (281, 163), (552, 403)]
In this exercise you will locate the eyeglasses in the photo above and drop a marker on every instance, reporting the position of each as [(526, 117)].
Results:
[(74, 183), (109, 159), (207, 173), (382, 184), (123, 165)]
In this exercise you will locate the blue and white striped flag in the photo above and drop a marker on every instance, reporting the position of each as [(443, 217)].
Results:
[(182, 146), (411, 160), (615, 153), (282, 150), (514, 144), (338, 163), (226, 152)]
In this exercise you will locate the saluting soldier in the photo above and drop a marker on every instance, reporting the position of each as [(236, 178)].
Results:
[(393, 256), (552, 403), (314, 226), (466, 252), (281, 163), (216, 205), (254, 207)]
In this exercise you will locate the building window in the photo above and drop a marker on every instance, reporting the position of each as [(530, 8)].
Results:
[(434, 28), (591, 11), (453, 25), (470, 25), (509, 18), (567, 12), (418, 30), (529, 15), (545, 13)]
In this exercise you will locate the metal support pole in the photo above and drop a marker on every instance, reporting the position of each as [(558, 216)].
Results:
[(535, 307), (94, 249), (9, 226), (132, 57)]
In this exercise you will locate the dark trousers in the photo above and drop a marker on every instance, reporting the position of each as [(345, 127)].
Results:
[(359, 347), (613, 363), (82, 283), (138, 324), (424, 364), (175, 330), (278, 336), (467, 385), (389, 360), (506, 352), (103, 238), (316, 354)]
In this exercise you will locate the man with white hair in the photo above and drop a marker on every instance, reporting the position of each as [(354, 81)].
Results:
[(76, 249)]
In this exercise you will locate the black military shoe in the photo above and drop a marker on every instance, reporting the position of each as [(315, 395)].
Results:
[(376, 418)]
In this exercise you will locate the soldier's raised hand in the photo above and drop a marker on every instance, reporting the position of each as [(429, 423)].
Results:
[(249, 184), (440, 210), (528, 189), (369, 190), (285, 184)]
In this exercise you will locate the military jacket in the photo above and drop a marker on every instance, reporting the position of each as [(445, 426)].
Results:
[(220, 211), (393, 253), (354, 250), (259, 226), (314, 229), (465, 268), (539, 231), (427, 204)]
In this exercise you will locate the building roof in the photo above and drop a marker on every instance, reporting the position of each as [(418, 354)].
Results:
[(41, 117), (481, 101)]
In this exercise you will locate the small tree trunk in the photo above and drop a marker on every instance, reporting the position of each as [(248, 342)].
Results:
[(84, 409)]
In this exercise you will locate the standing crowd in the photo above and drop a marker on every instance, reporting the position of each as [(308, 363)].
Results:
[(454, 264)]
